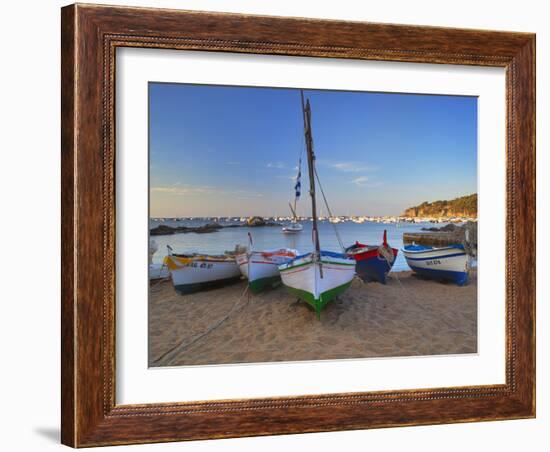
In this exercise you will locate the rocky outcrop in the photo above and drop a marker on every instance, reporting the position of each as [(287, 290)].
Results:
[(259, 221), (255, 221), (465, 206), (163, 229), (447, 228)]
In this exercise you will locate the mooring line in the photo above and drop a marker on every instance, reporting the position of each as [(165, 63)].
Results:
[(182, 345)]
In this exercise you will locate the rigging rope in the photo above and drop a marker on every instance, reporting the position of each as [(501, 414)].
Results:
[(329, 211), (386, 253)]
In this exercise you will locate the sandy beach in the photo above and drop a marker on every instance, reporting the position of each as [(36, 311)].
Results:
[(407, 317)]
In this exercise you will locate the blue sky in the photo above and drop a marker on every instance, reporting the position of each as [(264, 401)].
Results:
[(233, 151)]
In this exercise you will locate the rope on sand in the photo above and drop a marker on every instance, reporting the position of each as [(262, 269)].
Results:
[(182, 345), (394, 275), (160, 280)]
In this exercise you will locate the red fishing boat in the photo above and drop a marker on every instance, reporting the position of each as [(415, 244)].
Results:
[(373, 262)]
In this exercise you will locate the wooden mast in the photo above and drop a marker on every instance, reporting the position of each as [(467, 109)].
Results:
[(310, 163)]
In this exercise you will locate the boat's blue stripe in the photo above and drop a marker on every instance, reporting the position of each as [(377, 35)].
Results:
[(459, 278), (421, 248), (323, 253), (433, 257), (333, 254)]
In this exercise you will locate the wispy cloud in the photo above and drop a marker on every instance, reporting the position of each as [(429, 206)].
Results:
[(182, 189), (276, 165), (233, 163), (179, 189), (244, 194), (364, 181), (360, 181), (349, 166)]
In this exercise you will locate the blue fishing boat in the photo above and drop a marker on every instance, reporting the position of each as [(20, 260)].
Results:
[(373, 262), (445, 263)]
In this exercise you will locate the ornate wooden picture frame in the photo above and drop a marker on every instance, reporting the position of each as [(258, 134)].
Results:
[(90, 37)]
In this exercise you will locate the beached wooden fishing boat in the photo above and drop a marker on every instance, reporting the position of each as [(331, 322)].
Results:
[(445, 263), (261, 268), (373, 262), (194, 272), (320, 276)]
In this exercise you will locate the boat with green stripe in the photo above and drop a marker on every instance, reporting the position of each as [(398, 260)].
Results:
[(261, 267), (319, 276), (318, 279)]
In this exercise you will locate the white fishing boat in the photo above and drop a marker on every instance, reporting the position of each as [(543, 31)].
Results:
[(449, 262), (261, 268), (320, 276), (193, 272)]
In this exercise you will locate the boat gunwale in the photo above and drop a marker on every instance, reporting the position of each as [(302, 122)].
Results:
[(291, 267), (433, 249)]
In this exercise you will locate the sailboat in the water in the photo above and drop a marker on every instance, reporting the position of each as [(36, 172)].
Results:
[(294, 227), (320, 276)]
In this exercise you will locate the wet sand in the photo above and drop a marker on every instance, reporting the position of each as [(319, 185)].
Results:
[(409, 316)]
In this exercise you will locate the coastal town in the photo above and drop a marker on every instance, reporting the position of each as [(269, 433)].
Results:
[(457, 211)]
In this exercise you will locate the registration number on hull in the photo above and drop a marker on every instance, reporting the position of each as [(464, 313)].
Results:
[(433, 262), (199, 265)]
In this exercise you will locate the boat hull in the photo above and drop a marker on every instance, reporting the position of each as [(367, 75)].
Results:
[(193, 274), (447, 263), (261, 268), (371, 265), (302, 278)]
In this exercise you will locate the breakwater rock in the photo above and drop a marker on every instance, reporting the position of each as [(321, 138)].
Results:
[(168, 230), (450, 234), (163, 229)]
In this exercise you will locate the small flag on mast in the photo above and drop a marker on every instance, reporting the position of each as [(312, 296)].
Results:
[(298, 185)]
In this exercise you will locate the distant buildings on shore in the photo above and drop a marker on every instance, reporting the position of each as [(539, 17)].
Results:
[(334, 219)]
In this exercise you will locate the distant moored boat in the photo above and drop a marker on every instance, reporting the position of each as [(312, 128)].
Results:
[(292, 228)]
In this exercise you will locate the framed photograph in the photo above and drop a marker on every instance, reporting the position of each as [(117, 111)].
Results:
[(281, 225)]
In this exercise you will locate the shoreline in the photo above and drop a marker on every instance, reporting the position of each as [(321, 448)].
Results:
[(215, 224), (410, 316)]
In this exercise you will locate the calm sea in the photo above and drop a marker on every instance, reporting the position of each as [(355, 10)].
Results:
[(270, 237)]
